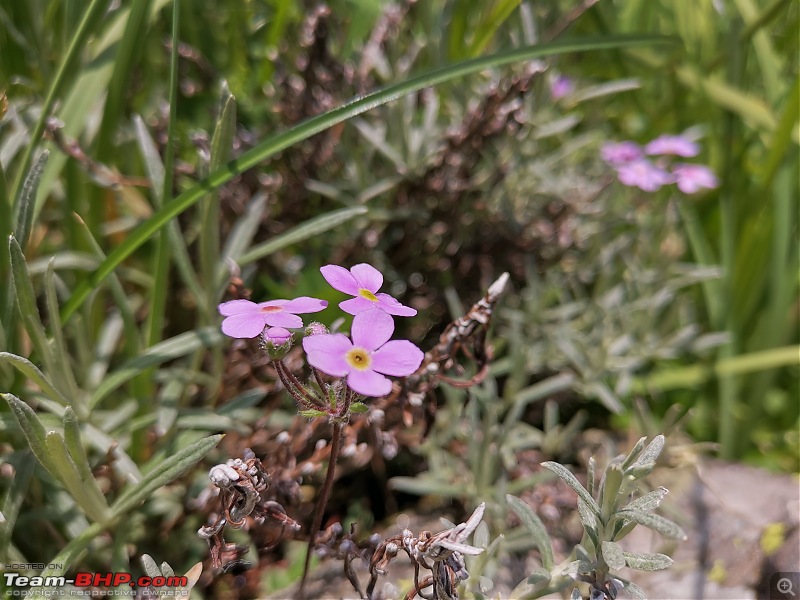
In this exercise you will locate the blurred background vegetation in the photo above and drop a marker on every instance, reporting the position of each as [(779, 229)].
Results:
[(628, 309)]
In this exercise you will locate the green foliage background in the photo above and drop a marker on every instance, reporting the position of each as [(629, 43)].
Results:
[(108, 324)]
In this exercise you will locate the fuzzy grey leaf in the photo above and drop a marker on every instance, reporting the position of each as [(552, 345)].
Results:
[(647, 562), (534, 524), (572, 481), (613, 555), (655, 522)]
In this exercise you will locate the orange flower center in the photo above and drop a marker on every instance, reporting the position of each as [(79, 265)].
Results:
[(359, 359), (364, 293)]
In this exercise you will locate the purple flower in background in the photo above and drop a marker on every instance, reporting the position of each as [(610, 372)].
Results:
[(673, 144), (368, 357), (363, 281), (644, 175), (561, 86), (246, 319), (692, 178), (619, 153)]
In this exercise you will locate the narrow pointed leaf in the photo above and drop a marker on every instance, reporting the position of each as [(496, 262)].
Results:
[(613, 555), (647, 562), (26, 202), (534, 524), (651, 453), (304, 231), (572, 481), (13, 501), (655, 522), (88, 497), (32, 372), (169, 470), (34, 431), (649, 502)]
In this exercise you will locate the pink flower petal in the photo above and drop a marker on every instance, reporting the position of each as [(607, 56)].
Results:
[(357, 305), (326, 352), (393, 307), (340, 279), (367, 277), (305, 304), (282, 319), (247, 325), (371, 329), (398, 357), (279, 303), (236, 307), (369, 383)]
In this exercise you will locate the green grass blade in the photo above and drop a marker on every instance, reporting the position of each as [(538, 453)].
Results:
[(24, 209), (221, 144), (61, 355), (163, 473), (79, 41), (28, 310), (306, 129), (170, 349), (304, 231)]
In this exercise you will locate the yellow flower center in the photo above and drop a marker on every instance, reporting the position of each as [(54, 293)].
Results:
[(270, 309), (364, 293), (359, 359)]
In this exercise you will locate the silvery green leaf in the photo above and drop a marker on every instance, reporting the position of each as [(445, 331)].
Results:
[(588, 521), (613, 555), (640, 471), (481, 537), (634, 590), (590, 476), (150, 567), (577, 567), (534, 524), (87, 496), (24, 206), (32, 372), (655, 522), (649, 502), (72, 437), (17, 492), (647, 562), (166, 570), (635, 452), (573, 482), (651, 453), (34, 431), (169, 469), (538, 575)]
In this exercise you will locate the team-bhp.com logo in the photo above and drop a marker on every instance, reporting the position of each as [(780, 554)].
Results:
[(86, 580)]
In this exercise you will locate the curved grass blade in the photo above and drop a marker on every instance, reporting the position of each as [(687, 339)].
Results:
[(165, 472), (310, 127)]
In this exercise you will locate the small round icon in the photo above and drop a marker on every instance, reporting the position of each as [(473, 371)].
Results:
[(785, 586)]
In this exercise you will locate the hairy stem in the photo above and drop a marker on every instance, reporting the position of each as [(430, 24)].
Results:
[(298, 391), (336, 439)]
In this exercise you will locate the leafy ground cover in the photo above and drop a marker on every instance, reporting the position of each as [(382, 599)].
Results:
[(631, 166)]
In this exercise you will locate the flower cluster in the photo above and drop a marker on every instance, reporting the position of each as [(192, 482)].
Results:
[(635, 169), (363, 359)]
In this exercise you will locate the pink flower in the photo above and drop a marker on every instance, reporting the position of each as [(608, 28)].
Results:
[(673, 144), (561, 86), (363, 281), (692, 178), (619, 153), (644, 175), (247, 319), (368, 357)]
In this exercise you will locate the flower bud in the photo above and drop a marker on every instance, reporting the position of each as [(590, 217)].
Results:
[(277, 341), (316, 328)]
